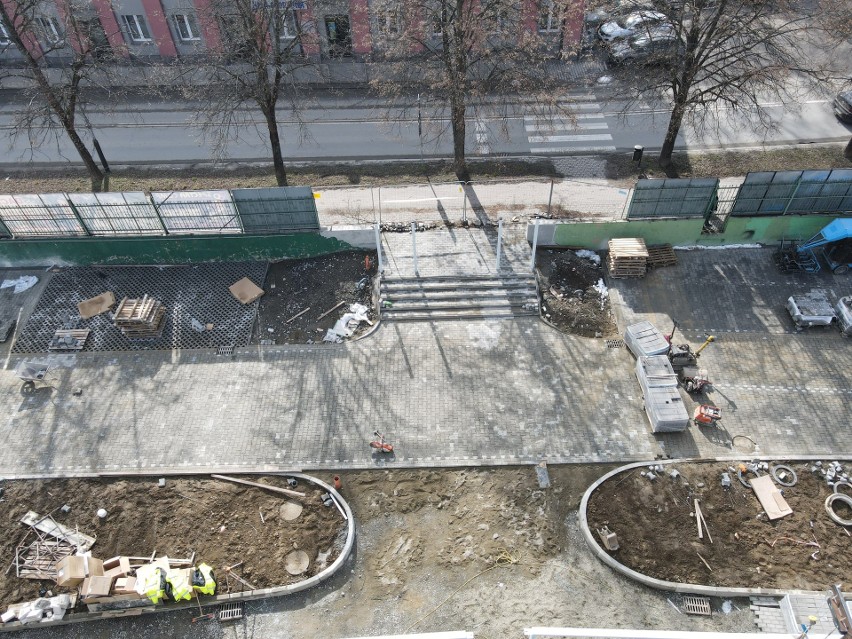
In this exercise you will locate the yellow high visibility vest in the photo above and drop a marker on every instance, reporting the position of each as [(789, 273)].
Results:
[(151, 582), (181, 588), (203, 581)]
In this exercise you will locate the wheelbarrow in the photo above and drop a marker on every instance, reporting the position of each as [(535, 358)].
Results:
[(32, 373)]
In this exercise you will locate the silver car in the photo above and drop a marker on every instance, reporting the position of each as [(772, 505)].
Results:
[(630, 25)]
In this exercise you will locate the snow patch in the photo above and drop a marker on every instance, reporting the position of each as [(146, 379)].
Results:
[(717, 248), (603, 291), (589, 255), (21, 284)]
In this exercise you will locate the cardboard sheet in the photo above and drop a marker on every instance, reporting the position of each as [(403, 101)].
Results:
[(96, 305), (245, 290), (770, 497)]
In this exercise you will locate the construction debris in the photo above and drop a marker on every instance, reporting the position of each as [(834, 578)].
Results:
[(96, 305), (348, 324), (140, 318), (628, 257), (245, 290), (770, 498), (48, 526), (68, 340)]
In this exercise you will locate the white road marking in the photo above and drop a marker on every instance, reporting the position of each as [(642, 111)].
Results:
[(579, 116), (596, 137), (572, 149), (567, 127)]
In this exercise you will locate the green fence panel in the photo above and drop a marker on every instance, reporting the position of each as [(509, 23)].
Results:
[(676, 198), (794, 192), (277, 210), (165, 249)]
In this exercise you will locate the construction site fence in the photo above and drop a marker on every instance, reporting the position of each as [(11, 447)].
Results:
[(265, 211)]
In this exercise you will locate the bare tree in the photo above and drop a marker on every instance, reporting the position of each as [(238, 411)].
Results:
[(64, 52), (257, 68), (727, 59), (471, 58)]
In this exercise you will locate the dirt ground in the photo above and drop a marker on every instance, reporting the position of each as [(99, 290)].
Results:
[(569, 298), (484, 550), (658, 534), (317, 283), (218, 520)]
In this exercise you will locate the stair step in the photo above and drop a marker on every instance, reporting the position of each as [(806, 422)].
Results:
[(458, 294), (462, 278), (455, 315), (455, 305)]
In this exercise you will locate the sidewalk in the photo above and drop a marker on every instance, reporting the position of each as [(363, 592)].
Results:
[(445, 394)]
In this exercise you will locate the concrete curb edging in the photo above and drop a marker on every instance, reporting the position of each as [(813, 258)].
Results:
[(251, 595), (659, 584)]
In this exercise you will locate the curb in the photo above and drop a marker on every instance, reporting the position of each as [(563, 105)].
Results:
[(251, 595), (697, 589)]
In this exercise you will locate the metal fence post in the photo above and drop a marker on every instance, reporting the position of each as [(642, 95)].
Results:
[(550, 197), (379, 247), (464, 203), (414, 247), (534, 245), (373, 200), (380, 206), (159, 217), (793, 195), (499, 241)]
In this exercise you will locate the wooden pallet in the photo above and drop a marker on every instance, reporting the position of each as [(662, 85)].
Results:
[(140, 318), (78, 335), (38, 560), (627, 257), (662, 255)]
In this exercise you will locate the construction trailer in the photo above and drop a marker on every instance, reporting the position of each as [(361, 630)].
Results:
[(663, 403)]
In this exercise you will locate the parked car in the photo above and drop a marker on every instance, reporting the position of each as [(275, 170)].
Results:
[(655, 46), (630, 25), (843, 106)]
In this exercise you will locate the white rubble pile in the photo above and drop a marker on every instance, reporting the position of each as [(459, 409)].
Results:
[(39, 610), (348, 324)]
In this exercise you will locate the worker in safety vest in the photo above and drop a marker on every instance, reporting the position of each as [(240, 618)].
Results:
[(181, 587), (203, 581), (151, 582)]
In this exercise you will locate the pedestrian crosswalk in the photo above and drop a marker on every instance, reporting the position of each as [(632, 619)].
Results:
[(588, 132)]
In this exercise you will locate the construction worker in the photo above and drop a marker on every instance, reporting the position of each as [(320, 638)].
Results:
[(151, 582), (179, 580), (203, 581)]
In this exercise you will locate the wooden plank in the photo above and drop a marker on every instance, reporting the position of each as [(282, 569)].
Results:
[(770, 498), (333, 308), (50, 527)]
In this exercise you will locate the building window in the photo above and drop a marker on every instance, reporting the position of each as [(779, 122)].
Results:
[(136, 28), (389, 21), (548, 19), (186, 27), (49, 30), (288, 25), (4, 35)]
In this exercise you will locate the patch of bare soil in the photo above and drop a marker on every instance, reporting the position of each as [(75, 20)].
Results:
[(218, 520), (658, 533), (317, 284), (570, 299)]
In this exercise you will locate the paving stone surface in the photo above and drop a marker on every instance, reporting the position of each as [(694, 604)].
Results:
[(446, 393)]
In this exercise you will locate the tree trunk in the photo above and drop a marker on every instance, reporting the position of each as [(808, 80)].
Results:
[(847, 152), (457, 115), (96, 175), (275, 142), (675, 121)]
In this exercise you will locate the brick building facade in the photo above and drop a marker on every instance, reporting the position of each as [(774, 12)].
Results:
[(163, 30)]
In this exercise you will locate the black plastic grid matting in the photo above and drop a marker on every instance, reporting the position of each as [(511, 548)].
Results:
[(196, 291)]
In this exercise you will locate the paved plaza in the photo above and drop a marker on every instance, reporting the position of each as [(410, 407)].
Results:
[(449, 393)]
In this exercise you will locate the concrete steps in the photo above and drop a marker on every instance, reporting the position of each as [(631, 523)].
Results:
[(463, 297)]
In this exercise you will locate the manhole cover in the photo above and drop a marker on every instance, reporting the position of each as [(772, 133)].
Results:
[(290, 510), (296, 562)]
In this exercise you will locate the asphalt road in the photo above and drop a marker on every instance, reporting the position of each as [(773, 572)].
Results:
[(162, 133)]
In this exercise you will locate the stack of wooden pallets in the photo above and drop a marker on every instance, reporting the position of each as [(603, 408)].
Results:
[(661, 255), (140, 318), (628, 257)]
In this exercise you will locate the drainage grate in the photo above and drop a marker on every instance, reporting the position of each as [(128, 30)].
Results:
[(189, 292), (225, 350), (614, 343), (696, 605), (231, 611)]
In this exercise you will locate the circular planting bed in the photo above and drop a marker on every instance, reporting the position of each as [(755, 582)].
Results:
[(259, 542), (654, 519)]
